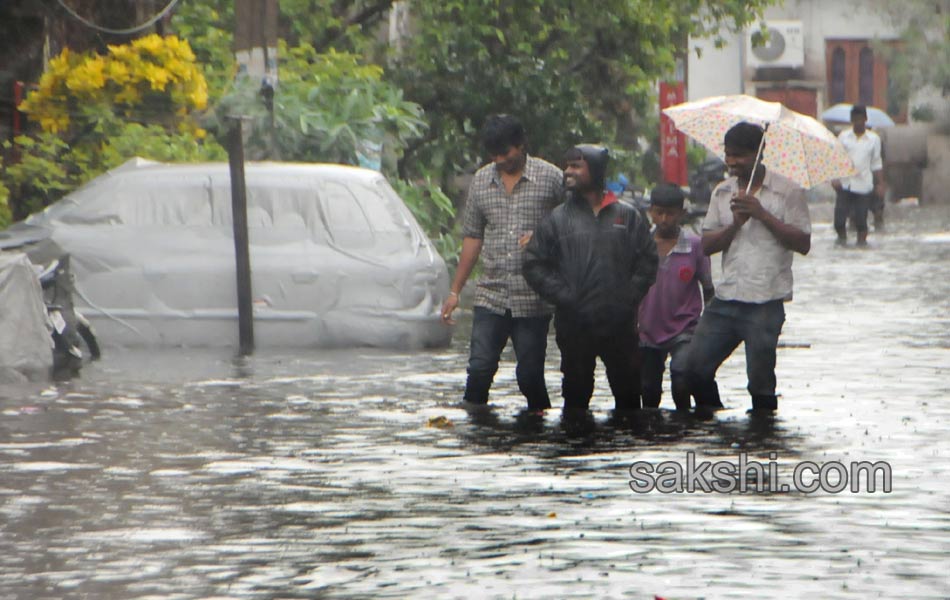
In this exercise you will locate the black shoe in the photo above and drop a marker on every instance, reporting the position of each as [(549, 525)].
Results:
[(575, 413), (530, 421), (705, 413), (765, 402), (577, 423), (683, 406)]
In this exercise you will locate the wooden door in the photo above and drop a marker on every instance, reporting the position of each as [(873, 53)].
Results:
[(857, 74)]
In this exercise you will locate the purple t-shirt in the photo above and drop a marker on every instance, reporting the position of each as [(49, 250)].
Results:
[(674, 303)]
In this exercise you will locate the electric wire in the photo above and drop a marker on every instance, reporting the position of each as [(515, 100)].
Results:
[(128, 31)]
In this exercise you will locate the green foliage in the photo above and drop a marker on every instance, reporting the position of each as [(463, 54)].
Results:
[(922, 58), (570, 72), (696, 154), (97, 111), (208, 27), (434, 211), (39, 177), (327, 108), (49, 168), (923, 112), (330, 24), (6, 217), (154, 143)]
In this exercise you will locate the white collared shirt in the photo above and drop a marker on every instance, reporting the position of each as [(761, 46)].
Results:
[(865, 153), (756, 267)]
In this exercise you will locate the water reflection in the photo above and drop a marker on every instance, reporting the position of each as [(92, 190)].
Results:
[(355, 474)]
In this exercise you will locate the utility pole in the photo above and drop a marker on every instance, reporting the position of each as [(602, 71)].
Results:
[(242, 255), (255, 40), (255, 50)]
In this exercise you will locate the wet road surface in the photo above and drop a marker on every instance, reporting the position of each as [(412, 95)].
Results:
[(356, 474)]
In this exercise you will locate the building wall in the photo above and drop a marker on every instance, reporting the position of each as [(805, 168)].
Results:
[(717, 72), (916, 160), (722, 71)]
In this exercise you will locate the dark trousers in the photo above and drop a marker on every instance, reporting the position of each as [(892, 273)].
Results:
[(652, 366), (723, 326), (876, 206), (620, 354), (490, 333), (849, 205)]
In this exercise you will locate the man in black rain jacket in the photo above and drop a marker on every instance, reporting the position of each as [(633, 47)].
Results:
[(594, 259)]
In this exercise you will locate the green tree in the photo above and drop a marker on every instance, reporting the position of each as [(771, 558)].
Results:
[(571, 72), (6, 217), (922, 59), (208, 26), (333, 103), (341, 25), (96, 111), (331, 107)]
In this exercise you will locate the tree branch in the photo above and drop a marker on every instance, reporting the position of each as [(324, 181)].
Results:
[(361, 17)]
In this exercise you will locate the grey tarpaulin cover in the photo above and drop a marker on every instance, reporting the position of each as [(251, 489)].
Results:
[(25, 343), (337, 259)]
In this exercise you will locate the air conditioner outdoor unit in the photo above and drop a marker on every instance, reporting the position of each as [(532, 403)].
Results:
[(785, 46)]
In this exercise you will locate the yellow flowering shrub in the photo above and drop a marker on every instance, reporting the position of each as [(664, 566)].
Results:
[(153, 79)]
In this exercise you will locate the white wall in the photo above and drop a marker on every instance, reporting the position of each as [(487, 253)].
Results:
[(717, 72)]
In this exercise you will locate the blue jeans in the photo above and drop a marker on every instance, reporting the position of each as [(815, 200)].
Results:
[(653, 364), (723, 326), (490, 333)]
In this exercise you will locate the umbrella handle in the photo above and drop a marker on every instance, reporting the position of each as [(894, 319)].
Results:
[(758, 158)]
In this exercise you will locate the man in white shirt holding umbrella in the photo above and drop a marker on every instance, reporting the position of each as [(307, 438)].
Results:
[(758, 219)]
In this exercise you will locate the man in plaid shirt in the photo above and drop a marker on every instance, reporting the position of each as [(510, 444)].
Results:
[(506, 201)]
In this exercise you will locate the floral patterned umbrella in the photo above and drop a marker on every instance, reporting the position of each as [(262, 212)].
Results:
[(796, 146)]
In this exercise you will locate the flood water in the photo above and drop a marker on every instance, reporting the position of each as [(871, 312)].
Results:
[(356, 474)]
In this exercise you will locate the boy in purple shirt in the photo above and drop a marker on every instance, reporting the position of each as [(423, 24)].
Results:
[(671, 309)]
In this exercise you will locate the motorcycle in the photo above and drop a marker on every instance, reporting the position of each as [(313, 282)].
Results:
[(702, 180), (68, 327)]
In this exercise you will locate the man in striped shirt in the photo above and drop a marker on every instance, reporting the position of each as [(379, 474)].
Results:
[(506, 200)]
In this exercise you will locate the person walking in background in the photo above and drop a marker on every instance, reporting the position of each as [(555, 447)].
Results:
[(671, 309), (506, 200), (594, 259), (757, 228), (856, 193)]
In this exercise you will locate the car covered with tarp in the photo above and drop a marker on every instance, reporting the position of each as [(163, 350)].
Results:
[(25, 346), (337, 259)]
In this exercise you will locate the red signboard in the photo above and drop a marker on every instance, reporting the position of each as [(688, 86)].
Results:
[(672, 142)]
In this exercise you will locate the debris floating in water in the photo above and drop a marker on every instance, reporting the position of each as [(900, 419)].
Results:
[(440, 422)]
